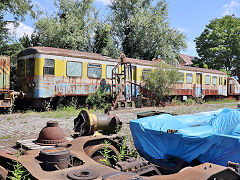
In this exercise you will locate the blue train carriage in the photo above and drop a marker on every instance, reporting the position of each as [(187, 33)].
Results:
[(45, 73), (6, 95)]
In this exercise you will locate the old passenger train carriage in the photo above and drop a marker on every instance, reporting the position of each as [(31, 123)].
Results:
[(6, 95), (45, 72)]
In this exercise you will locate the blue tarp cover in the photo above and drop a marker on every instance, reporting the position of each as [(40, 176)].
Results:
[(212, 136)]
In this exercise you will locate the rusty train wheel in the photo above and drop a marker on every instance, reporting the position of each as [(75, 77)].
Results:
[(94, 152)]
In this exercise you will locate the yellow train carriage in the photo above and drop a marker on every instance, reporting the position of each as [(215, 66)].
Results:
[(196, 82), (45, 72)]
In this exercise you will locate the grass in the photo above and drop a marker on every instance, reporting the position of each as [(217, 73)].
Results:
[(5, 137), (221, 101), (64, 112)]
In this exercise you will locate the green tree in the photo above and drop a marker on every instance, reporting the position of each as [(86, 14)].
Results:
[(218, 46), (72, 27), (17, 8), (102, 38), (162, 80), (103, 42), (141, 30)]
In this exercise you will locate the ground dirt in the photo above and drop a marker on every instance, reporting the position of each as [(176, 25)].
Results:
[(22, 126)]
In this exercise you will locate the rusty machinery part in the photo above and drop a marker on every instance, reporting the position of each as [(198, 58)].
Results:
[(94, 152), (233, 165), (76, 147), (56, 157), (3, 173), (51, 135), (86, 123), (137, 165), (122, 176), (83, 174)]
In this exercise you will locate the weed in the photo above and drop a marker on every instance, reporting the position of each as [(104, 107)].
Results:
[(189, 101), (5, 137), (9, 118), (123, 149), (177, 102), (106, 153), (18, 171)]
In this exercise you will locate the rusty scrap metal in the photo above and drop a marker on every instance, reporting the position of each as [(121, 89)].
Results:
[(56, 157), (3, 173), (137, 165), (233, 165), (83, 174), (51, 135), (86, 123), (87, 169)]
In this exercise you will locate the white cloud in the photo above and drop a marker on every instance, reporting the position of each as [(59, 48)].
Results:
[(184, 30), (20, 30), (105, 2), (231, 8)]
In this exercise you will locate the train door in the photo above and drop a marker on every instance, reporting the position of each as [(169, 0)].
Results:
[(198, 90), (134, 80), (4, 74)]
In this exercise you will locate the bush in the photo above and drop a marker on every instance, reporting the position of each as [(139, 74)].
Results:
[(177, 102), (101, 99), (189, 101), (161, 80)]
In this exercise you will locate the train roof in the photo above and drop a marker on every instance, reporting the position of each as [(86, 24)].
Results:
[(181, 67), (95, 56), (64, 52), (196, 69)]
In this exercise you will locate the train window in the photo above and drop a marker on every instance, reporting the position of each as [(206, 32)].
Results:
[(49, 66), (145, 73), (21, 68), (109, 71), (225, 81), (220, 80), (188, 78), (208, 79), (30, 67), (181, 77), (94, 71), (74, 69), (214, 80)]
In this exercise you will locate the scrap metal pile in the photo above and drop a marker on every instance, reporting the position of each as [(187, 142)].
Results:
[(82, 157)]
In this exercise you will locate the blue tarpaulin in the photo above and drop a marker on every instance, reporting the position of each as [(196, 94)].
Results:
[(212, 136)]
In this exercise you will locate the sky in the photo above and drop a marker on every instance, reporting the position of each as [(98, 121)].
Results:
[(188, 16)]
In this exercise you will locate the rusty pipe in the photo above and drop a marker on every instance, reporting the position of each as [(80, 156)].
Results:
[(86, 123)]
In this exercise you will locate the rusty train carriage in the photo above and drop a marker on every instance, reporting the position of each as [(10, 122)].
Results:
[(200, 82), (6, 95), (45, 72), (196, 82), (58, 72)]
